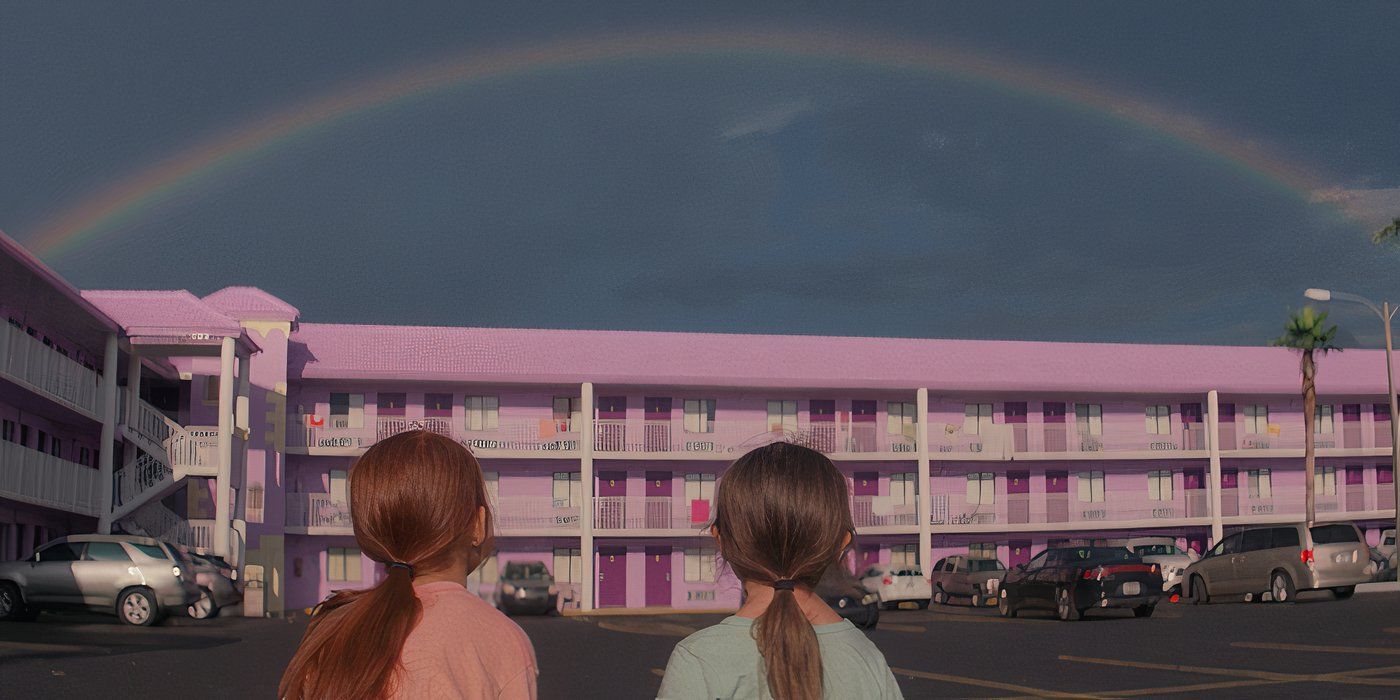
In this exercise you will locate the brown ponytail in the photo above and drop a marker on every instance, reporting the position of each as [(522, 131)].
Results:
[(414, 499), (782, 514)]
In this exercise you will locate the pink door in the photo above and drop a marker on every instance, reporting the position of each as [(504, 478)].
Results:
[(866, 483), (611, 426), (658, 501), (612, 577), (1018, 552), (658, 577), (657, 424), (1056, 496), (864, 437), (1018, 496), (1053, 415), (867, 555), (610, 506)]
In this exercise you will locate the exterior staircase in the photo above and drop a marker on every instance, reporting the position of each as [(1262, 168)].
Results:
[(165, 454)]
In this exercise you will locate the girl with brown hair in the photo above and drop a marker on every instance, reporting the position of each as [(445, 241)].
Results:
[(781, 518), (419, 506)]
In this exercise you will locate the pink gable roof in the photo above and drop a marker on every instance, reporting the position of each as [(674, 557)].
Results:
[(162, 313), (417, 353), (251, 304)]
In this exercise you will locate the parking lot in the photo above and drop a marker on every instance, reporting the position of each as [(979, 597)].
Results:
[(1318, 646)]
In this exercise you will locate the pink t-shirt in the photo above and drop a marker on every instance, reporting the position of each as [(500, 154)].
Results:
[(464, 648)]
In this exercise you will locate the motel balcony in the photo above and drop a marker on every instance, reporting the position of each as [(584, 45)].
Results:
[(324, 514), (658, 513), (1346, 502), (29, 363), (883, 511), (726, 439), (39, 478), (1055, 439), (1350, 437), (338, 435), (1044, 512)]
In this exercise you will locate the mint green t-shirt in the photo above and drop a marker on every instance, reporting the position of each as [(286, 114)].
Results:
[(723, 662)]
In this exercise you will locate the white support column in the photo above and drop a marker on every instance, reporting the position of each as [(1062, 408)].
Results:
[(586, 553), (1217, 528), (133, 386), (925, 488), (222, 485), (105, 456), (240, 413)]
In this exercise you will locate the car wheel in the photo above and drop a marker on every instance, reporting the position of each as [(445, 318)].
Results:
[(1344, 592), (1281, 587), (873, 618), (12, 607), (940, 597), (976, 600), (1144, 610), (1199, 595), (138, 607), (1004, 605), (923, 604), (204, 608), (1064, 606)]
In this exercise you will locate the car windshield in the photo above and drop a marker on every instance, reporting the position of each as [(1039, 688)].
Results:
[(984, 565), (1147, 550), (527, 572), (1099, 554), (1334, 534)]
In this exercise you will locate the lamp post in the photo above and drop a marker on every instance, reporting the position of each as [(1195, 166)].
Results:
[(1386, 313)]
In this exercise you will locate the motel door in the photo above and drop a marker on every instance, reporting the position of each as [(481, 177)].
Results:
[(658, 501), (611, 426), (658, 577), (1018, 552), (867, 555), (611, 509), (612, 577), (1018, 497), (1229, 492), (1056, 496), (1194, 481), (657, 427)]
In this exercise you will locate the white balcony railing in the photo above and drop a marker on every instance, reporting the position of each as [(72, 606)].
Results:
[(139, 480), (643, 513), (511, 433), (534, 513), (317, 510), (29, 362), (155, 520), (42, 479), (876, 511), (615, 435)]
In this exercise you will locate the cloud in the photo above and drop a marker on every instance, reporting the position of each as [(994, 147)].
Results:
[(1374, 207), (770, 120)]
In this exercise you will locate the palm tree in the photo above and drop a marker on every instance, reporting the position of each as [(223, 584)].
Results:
[(1389, 234), (1306, 333)]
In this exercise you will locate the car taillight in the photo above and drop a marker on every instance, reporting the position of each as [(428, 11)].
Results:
[(1154, 568), (1093, 573), (1306, 556), (886, 580)]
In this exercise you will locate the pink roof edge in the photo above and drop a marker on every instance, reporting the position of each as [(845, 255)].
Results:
[(12, 248), (251, 304)]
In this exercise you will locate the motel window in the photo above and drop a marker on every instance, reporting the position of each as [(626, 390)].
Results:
[(54, 447), (1256, 420), (1261, 483), (982, 550), (488, 573), (700, 565), (699, 415), (24, 435), (483, 412), (904, 488), (7, 430), (699, 487), (568, 489), (782, 416), (211, 389), (493, 487), (977, 417), (85, 456), (343, 564), (981, 488), (347, 410), (1091, 487), (568, 565), (1325, 481), (338, 486), (43, 445), (1159, 485), (1089, 418), (904, 556), (901, 417), (1159, 420), (567, 412), (1322, 420)]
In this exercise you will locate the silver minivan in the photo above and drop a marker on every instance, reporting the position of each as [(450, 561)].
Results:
[(137, 578), (1282, 560)]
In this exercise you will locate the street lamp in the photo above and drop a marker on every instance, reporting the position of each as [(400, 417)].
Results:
[(1386, 313)]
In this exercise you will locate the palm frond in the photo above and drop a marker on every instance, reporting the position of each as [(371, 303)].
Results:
[(1389, 234), (1307, 331)]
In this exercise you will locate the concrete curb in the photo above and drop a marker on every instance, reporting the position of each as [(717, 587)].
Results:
[(1381, 587), (635, 612)]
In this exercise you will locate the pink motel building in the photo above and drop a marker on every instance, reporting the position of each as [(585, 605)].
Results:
[(227, 422)]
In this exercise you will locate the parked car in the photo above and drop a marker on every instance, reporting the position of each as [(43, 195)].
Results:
[(1387, 545), (896, 585), (1163, 552), (216, 586), (1282, 560), (526, 587), (840, 589), (966, 577), (139, 579), (1071, 580)]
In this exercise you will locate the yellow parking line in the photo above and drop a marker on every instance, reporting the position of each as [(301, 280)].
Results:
[(964, 680), (1318, 648), (1193, 688), (659, 629), (1204, 670), (901, 628)]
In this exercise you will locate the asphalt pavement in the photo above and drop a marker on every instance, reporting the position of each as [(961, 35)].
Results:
[(1319, 646)]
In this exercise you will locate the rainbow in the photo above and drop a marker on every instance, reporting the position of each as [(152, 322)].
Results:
[(124, 200)]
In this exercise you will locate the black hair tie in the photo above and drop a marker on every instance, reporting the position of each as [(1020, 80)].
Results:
[(401, 565), (785, 584)]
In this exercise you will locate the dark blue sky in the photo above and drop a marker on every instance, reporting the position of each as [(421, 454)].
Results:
[(744, 193)]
